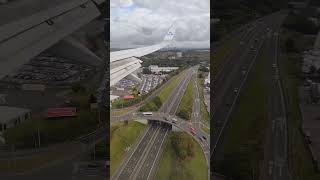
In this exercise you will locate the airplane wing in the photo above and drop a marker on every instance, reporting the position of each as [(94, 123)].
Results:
[(124, 62), (28, 28)]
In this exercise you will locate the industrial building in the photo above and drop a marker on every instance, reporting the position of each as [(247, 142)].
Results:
[(157, 69), (12, 116)]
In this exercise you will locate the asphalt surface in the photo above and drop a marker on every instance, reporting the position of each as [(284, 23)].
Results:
[(231, 78), (228, 85), (276, 164), (143, 161)]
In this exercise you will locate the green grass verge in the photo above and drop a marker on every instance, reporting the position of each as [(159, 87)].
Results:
[(205, 114), (153, 105), (166, 91), (38, 160), (300, 159), (121, 112), (242, 145), (192, 168), (220, 55), (206, 130), (51, 130), (185, 106), (123, 136)]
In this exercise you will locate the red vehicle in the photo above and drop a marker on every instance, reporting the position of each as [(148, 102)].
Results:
[(193, 131)]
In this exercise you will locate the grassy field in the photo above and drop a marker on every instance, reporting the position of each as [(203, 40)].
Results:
[(300, 157), (170, 168), (51, 131), (242, 145), (39, 159), (166, 91), (206, 130), (185, 106), (122, 137), (205, 114), (121, 111), (221, 53)]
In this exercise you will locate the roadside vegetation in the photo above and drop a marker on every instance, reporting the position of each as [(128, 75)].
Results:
[(242, 146), (300, 160), (205, 114), (50, 131), (186, 104), (123, 137), (220, 55), (182, 159)]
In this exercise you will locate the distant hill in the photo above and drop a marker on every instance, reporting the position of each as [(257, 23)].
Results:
[(221, 7)]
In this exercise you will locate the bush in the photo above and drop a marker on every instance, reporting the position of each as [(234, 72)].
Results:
[(183, 114), (78, 88), (182, 146), (153, 105)]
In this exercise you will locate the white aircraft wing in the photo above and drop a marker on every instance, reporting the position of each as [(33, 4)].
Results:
[(27, 28), (124, 62)]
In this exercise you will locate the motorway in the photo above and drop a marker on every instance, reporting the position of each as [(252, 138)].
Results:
[(275, 165), (145, 157), (230, 79), (229, 82)]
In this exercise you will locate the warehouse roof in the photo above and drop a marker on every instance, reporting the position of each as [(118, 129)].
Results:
[(8, 113)]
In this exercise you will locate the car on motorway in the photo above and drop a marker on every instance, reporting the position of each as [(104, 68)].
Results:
[(203, 137), (235, 90), (193, 132)]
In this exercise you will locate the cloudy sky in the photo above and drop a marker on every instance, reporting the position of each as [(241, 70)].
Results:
[(135, 23)]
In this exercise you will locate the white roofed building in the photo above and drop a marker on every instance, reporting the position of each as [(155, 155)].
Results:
[(157, 69)]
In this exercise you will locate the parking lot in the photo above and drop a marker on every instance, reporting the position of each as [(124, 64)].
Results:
[(47, 69), (150, 82), (126, 84)]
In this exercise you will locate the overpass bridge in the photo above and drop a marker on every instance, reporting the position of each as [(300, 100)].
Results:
[(142, 160), (181, 124)]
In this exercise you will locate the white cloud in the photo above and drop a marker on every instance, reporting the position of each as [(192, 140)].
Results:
[(145, 22)]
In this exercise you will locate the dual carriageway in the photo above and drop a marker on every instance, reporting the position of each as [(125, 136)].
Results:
[(142, 162), (258, 37)]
